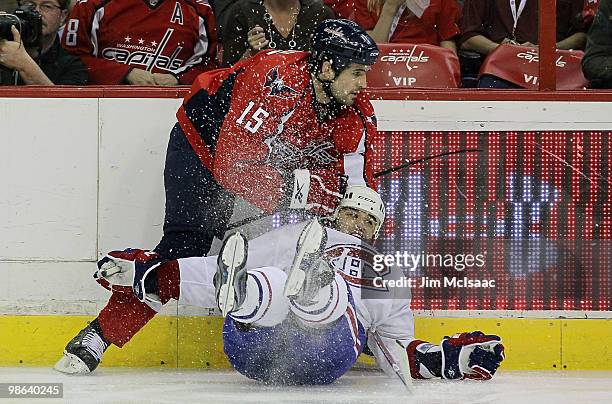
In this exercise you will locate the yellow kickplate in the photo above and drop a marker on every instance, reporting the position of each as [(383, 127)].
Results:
[(196, 342), (200, 343), (40, 341), (155, 345), (586, 344), (529, 343), (36, 340)]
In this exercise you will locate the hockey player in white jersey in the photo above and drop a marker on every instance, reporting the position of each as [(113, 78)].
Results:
[(299, 302)]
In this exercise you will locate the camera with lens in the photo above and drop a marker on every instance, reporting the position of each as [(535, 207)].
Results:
[(28, 22)]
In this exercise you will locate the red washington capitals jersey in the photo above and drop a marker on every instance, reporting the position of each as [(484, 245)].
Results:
[(113, 36), (254, 123)]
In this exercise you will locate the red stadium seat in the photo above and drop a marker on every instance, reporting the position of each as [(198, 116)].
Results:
[(519, 65), (414, 66)]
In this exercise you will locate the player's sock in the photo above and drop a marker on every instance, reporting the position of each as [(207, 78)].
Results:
[(123, 316), (265, 304), (168, 281), (84, 352), (329, 304), (425, 360)]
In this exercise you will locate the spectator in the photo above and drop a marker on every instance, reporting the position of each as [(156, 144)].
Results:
[(342, 8), (221, 10), (410, 21), (45, 62), (151, 42), (487, 23), (277, 24), (589, 10), (597, 61)]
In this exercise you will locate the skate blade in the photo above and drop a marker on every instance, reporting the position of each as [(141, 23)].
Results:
[(226, 299), (308, 243), (233, 257), (71, 364)]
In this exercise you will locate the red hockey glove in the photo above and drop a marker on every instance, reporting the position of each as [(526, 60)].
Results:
[(317, 191)]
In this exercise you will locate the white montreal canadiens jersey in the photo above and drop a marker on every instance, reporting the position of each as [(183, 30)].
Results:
[(387, 310), (381, 309)]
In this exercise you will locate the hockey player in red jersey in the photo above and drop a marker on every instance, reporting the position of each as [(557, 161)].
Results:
[(283, 130), (142, 42), (299, 302)]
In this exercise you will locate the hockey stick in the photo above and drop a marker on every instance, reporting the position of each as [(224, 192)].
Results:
[(248, 220), (419, 161), (573, 168), (406, 381), (376, 175)]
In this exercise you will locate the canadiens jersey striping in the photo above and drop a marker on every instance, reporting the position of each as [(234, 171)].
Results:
[(255, 122), (383, 309), (113, 36)]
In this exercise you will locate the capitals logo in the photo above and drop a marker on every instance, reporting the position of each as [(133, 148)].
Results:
[(410, 59), (150, 55), (337, 33), (354, 263), (282, 153), (277, 86)]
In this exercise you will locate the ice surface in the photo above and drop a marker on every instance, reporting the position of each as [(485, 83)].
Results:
[(122, 385)]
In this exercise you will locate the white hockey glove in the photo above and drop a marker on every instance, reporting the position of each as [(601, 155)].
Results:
[(317, 191), (126, 271)]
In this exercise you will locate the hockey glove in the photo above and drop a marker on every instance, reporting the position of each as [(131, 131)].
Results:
[(471, 355), (425, 360), (317, 191), (127, 270), (463, 356)]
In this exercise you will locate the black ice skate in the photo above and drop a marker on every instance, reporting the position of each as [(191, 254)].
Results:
[(231, 277), (309, 271), (84, 352)]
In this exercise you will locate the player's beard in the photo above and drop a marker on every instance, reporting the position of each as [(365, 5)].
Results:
[(333, 108)]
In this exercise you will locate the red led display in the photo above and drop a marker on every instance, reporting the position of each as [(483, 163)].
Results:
[(535, 204)]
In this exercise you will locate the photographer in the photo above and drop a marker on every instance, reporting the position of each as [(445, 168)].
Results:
[(38, 59)]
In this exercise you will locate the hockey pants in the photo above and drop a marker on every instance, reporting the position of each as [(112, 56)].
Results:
[(197, 207)]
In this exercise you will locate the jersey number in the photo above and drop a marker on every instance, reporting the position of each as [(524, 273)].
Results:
[(255, 120), (71, 32)]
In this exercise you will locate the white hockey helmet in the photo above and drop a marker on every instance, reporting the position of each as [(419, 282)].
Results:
[(366, 200)]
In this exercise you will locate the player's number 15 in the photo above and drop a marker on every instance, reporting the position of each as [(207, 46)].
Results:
[(255, 120)]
